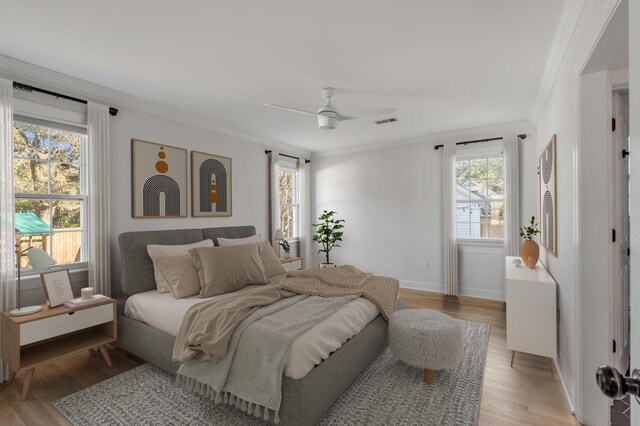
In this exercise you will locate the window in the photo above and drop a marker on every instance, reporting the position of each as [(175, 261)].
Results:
[(49, 188), (480, 194), (289, 198)]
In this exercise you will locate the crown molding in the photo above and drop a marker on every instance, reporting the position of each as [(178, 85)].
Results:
[(603, 17), (491, 131), (24, 72), (569, 17)]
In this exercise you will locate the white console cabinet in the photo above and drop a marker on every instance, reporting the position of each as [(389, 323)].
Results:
[(531, 311)]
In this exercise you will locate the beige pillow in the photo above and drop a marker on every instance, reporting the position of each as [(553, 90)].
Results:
[(270, 261), (180, 274), (226, 242), (156, 250), (226, 269)]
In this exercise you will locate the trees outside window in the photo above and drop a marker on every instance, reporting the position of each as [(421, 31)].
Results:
[(289, 202)]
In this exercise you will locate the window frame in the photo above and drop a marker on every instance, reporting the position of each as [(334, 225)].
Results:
[(296, 198), (82, 197), (488, 150)]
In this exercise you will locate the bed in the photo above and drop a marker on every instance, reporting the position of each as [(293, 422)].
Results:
[(304, 399)]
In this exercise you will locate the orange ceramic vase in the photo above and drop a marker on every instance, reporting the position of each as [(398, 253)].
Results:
[(530, 252)]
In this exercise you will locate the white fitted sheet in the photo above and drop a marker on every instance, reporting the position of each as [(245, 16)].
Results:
[(162, 311)]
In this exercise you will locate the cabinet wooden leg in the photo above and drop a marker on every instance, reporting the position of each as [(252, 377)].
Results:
[(27, 383), (551, 366), (513, 357), (428, 376), (105, 355)]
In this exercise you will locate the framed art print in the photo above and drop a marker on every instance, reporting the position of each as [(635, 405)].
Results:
[(548, 199), (57, 287), (210, 185), (158, 180)]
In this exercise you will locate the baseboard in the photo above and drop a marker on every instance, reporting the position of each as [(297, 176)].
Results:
[(424, 286), (567, 382), (479, 293)]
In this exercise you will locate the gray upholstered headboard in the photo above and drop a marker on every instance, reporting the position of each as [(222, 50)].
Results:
[(137, 268)]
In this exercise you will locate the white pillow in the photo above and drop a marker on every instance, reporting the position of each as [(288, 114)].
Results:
[(156, 250), (226, 242)]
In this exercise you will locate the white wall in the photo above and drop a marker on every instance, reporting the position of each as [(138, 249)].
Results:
[(390, 199)]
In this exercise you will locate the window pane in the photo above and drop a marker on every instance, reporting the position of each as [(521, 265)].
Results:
[(41, 241), (492, 219), (66, 214), (65, 247), (32, 216), (65, 145), (65, 179), (496, 168), (462, 190), (495, 189), (30, 176), (478, 168), (288, 221), (287, 186), (30, 140), (462, 170)]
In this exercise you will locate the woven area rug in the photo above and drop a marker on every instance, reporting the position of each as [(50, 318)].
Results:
[(388, 392)]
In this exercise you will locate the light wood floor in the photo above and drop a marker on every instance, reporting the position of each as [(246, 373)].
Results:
[(523, 395)]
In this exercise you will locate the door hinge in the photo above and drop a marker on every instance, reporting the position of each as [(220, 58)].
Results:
[(614, 346), (625, 153), (613, 235), (613, 124)]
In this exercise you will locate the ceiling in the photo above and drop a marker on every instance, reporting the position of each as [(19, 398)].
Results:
[(444, 65)]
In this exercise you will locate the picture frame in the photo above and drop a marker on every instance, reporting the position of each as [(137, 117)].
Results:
[(158, 180), (547, 192), (211, 185), (57, 287)]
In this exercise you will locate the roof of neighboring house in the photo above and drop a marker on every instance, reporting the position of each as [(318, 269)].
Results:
[(30, 224)]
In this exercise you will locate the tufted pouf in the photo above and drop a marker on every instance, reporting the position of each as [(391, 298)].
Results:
[(427, 339)]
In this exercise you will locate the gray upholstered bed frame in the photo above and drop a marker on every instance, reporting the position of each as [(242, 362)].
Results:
[(304, 401)]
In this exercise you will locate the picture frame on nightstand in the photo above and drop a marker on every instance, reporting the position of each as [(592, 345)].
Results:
[(57, 287)]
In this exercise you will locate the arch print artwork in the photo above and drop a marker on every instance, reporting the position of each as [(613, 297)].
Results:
[(548, 199), (159, 180), (210, 185)]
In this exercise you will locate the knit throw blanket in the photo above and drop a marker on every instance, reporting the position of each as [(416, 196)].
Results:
[(346, 280), (250, 376)]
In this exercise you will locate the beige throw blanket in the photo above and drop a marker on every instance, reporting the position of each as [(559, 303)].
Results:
[(346, 280)]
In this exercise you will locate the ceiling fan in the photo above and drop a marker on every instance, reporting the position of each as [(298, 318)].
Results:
[(328, 115)]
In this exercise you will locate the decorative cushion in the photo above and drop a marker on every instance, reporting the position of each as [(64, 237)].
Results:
[(155, 250), (226, 269), (226, 242), (270, 261), (180, 274), (426, 339)]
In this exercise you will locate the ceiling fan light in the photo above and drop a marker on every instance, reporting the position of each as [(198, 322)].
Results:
[(326, 122)]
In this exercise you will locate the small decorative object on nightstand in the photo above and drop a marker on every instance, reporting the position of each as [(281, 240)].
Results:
[(35, 340), (292, 263)]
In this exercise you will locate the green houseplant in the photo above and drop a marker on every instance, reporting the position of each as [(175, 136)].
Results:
[(529, 249), (328, 233)]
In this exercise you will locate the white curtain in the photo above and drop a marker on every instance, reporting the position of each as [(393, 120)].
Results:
[(274, 190), (304, 169), (7, 229), (449, 220), (99, 193), (511, 196)]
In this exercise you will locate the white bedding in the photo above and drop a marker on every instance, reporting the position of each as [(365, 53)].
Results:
[(162, 311)]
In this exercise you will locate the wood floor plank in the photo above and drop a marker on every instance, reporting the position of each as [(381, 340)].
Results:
[(523, 395)]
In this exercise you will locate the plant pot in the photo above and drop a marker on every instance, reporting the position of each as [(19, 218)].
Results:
[(328, 265), (529, 253)]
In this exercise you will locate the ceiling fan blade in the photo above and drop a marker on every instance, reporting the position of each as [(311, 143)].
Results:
[(286, 108), (363, 114)]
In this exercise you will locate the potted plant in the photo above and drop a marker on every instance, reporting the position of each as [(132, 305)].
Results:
[(285, 247), (328, 234), (529, 250)]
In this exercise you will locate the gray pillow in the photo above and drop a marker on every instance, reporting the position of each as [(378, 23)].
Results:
[(270, 261), (226, 269)]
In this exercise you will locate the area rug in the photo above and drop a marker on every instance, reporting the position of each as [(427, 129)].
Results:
[(388, 392)]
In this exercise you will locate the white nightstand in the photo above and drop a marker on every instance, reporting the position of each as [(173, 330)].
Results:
[(52, 334), (531, 311), (292, 263)]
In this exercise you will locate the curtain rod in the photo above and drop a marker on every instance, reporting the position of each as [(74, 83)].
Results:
[(522, 136), (268, 151), (26, 88)]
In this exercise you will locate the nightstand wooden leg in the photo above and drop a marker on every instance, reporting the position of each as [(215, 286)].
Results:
[(105, 355), (428, 376), (551, 366), (513, 357), (27, 383)]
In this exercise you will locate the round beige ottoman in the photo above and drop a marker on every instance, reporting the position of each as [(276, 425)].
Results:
[(426, 339)]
